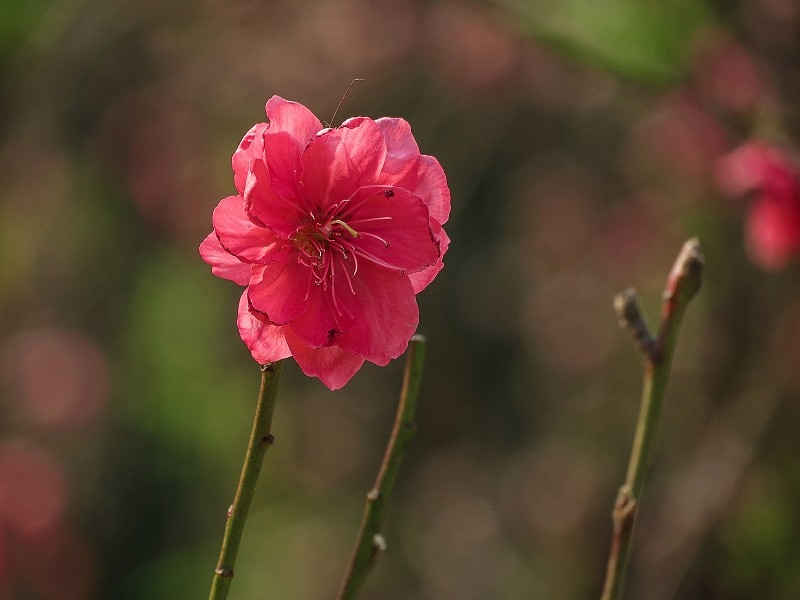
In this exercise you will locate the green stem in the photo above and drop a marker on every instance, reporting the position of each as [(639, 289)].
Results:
[(682, 285), (260, 440), (370, 543)]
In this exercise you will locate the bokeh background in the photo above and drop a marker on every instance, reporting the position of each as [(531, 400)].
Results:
[(580, 140)]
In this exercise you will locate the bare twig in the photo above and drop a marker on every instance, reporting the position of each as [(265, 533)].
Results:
[(370, 542), (260, 441), (682, 285)]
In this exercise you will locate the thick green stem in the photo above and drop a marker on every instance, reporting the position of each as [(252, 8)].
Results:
[(682, 285), (370, 542), (260, 440)]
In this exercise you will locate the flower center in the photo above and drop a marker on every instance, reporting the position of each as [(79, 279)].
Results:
[(318, 239), (332, 242)]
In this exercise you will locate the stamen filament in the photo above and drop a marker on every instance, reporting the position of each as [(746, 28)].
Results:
[(349, 229), (359, 221), (349, 279), (323, 245), (377, 237), (372, 258), (337, 310)]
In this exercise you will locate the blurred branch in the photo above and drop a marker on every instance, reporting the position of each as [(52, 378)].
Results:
[(630, 317), (260, 440), (682, 285), (726, 449), (370, 543)]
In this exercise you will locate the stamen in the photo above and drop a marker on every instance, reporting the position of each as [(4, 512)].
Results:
[(377, 237), (358, 221), (349, 280), (371, 257), (333, 292), (333, 302), (324, 246), (349, 229), (347, 206), (308, 287)]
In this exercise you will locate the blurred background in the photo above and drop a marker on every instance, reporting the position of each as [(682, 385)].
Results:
[(580, 139)]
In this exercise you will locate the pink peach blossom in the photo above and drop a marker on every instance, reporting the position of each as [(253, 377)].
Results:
[(334, 232), (772, 226)]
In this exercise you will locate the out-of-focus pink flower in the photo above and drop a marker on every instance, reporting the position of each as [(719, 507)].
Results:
[(38, 550), (333, 232), (682, 134), (79, 381), (32, 489), (773, 219), (726, 72)]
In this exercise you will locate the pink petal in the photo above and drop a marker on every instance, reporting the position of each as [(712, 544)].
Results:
[(387, 315), (251, 147), (332, 365), (261, 202), (328, 312), (754, 165), (292, 118), (773, 230), (400, 142), (281, 289), (393, 228), (239, 235), (266, 342), (421, 279), (432, 188), (291, 127), (339, 161), (402, 153), (223, 263)]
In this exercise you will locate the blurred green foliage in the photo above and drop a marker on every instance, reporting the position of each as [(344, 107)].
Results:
[(647, 42)]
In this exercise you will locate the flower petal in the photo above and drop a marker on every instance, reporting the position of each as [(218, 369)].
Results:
[(402, 153), (432, 188), (265, 341), (292, 118), (754, 166), (251, 147), (223, 263), (773, 230), (281, 289), (328, 312), (331, 364), (339, 161), (239, 235), (277, 213), (421, 279), (387, 315), (393, 228), (291, 127)]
